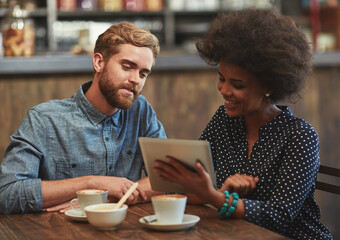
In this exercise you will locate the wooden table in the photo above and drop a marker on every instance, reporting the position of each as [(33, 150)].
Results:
[(58, 226)]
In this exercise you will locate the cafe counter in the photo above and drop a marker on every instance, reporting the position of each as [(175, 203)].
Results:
[(68, 63)]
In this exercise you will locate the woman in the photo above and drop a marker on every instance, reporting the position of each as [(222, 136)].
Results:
[(266, 160)]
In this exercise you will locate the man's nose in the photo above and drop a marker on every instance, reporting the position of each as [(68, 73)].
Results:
[(134, 78)]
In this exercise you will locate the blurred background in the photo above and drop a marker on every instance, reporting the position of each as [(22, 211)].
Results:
[(46, 47)]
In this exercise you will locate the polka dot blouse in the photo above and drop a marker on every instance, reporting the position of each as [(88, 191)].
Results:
[(286, 160)]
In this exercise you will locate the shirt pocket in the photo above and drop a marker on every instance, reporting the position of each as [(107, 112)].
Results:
[(73, 169)]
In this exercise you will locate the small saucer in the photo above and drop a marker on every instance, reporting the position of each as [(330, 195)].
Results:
[(188, 221), (76, 215)]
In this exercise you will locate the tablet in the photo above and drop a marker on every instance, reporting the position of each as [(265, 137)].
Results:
[(187, 151)]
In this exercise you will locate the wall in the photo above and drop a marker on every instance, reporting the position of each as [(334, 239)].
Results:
[(185, 101)]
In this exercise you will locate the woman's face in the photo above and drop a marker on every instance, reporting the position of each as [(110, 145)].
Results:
[(241, 90)]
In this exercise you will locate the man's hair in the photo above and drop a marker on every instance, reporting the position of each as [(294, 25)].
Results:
[(108, 42), (264, 43)]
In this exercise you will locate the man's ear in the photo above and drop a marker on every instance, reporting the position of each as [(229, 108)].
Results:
[(98, 62)]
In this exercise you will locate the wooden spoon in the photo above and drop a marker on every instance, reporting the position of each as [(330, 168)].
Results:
[(126, 196)]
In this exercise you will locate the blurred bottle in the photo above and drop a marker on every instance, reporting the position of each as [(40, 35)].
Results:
[(12, 3), (18, 33), (67, 5), (29, 5), (3, 4), (153, 5), (87, 5), (111, 5), (134, 5)]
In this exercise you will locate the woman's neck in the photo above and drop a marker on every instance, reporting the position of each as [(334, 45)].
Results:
[(255, 121)]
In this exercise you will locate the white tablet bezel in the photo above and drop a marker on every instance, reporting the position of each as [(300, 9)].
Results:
[(188, 151)]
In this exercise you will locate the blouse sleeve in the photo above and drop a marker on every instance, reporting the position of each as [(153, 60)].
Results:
[(294, 182)]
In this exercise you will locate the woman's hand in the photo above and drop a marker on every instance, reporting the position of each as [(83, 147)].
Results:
[(197, 181), (240, 183)]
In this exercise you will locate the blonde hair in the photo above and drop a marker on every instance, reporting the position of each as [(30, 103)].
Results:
[(108, 42)]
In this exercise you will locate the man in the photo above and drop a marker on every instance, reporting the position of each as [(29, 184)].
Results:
[(91, 139)]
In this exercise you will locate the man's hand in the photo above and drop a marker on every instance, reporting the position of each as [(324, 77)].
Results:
[(117, 187), (146, 186), (61, 207)]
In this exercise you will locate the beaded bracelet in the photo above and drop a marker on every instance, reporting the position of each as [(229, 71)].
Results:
[(225, 211), (224, 208), (231, 209)]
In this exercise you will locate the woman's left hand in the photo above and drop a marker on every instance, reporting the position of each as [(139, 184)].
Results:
[(240, 183)]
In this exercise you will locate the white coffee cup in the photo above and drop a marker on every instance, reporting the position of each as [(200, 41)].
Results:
[(169, 208), (86, 197), (104, 216)]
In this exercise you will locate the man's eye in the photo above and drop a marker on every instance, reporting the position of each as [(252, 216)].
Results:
[(126, 67), (221, 79), (142, 75)]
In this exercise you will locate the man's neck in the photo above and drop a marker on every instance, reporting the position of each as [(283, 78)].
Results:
[(96, 98)]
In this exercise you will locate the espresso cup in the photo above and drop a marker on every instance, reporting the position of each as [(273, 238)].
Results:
[(169, 208), (86, 197)]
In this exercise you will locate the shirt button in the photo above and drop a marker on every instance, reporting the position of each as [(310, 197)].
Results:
[(107, 139), (74, 165), (110, 167)]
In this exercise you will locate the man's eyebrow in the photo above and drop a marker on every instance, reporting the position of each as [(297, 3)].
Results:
[(135, 65)]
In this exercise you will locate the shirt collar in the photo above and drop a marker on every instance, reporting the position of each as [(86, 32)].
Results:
[(93, 114), (279, 121)]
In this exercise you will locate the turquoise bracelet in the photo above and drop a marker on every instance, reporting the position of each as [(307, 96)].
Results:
[(225, 210), (231, 209)]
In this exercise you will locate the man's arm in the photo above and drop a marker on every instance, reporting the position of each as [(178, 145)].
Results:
[(58, 192)]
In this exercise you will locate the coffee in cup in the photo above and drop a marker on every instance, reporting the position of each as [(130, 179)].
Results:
[(86, 197), (169, 208)]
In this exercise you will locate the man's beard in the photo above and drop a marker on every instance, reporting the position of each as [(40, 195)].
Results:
[(110, 89)]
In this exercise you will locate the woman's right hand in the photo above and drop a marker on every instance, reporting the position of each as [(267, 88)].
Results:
[(240, 183)]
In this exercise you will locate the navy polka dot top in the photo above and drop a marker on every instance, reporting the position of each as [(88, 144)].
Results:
[(285, 159)]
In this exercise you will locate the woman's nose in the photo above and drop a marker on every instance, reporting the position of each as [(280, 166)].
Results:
[(224, 88)]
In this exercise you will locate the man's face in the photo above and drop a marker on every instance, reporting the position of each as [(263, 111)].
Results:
[(124, 75)]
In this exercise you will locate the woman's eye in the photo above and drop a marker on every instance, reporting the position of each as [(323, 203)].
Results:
[(239, 86)]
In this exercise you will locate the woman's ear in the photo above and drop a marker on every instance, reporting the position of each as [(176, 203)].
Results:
[(98, 62)]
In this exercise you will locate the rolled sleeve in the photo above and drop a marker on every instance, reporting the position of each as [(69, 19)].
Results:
[(20, 187), (21, 197)]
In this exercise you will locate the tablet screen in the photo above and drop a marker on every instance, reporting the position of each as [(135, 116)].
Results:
[(187, 151)]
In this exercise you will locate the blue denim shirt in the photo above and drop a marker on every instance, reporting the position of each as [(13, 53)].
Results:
[(69, 138)]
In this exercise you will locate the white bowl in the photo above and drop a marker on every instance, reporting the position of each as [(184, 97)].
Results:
[(103, 217)]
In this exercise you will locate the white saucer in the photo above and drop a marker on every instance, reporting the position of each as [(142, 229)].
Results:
[(76, 215), (188, 221)]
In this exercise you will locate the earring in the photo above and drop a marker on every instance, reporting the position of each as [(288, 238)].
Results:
[(267, 95)]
